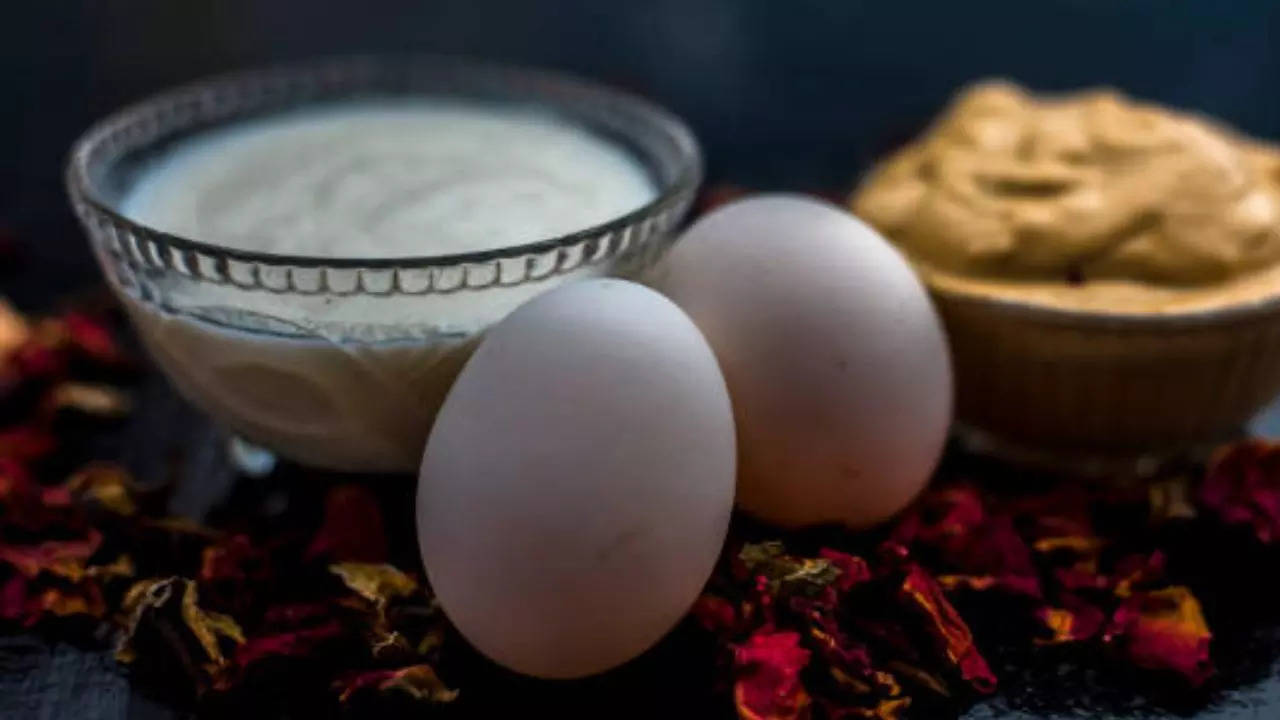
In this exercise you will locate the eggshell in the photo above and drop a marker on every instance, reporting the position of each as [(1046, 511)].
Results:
[(577, 485), (835, 359)]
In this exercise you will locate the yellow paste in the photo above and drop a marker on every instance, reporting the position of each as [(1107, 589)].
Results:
[(1090, 201)]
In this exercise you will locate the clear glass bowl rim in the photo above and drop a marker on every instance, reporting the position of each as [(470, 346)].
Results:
[(552, 88)]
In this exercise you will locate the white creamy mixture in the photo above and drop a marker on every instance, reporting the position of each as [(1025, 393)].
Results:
[(371, 179), (395, 178)]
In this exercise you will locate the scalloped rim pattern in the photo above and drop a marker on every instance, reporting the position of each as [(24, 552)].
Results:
[(133, 247)]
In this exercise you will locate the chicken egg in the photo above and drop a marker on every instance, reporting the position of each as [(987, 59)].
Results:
[(835, 358), (577, 484)]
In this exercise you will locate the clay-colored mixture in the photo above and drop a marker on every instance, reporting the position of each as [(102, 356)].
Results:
[(1088, 201)]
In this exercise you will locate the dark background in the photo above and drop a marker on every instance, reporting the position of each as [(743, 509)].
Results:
[(784, 94)]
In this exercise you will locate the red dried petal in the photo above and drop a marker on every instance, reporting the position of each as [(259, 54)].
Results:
[(1074, 621), (832, 643), (232, 571), (293, 615), (83, 599), (1164, 630), (920, 591), (91, 338), (418, 681), (223, 560), (777, 573), (13, 598), (294, 643), (1082, 545), (887, 709), (170, 633), (953, 525), (15, 331), (18, 491), (767, 670), (26, 443), (715, 614), (941, 515), (64, 558), (93, 400), (106, 485), (1138, 571), (1242, 487), (30, 506), (352, 529), (853, 569), (37, 361), (1064, 510), (1009, 584)]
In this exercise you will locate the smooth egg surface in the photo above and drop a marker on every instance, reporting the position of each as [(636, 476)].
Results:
[(578, 482), (835, 358)]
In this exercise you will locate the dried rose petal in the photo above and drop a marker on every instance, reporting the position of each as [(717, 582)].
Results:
[(1082, 576), (41, 357), (30, 506), (786, 574), (26, 443), (91, 338), (83, 599), (168, 630), (1075, 621), (1164, 630), (106, 485), (96, 400), (853, 569), (1078, 544), (941, 516), (232, 570), (22, 601), (1028, 586), (352, 529), (832, 643), (767, 671), (294, 615), (886, 709), (921, 591), (1171, 499), (1242, 487), (918, 677), (1137, 571), (419, 682), (1064, 510), (64, 558), (715, 614), (121, 567), (225, 560), (13, 598), (378, 583), (14, 329), (293, 643), (978, 549)]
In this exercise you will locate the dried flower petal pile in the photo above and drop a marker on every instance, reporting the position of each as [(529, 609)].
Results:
[(891, 623), (198, 611)]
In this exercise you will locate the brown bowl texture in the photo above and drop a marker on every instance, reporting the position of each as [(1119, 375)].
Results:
[(1079, 383)]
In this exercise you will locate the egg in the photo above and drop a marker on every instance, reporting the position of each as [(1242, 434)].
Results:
[(835, 358), (577, 484)]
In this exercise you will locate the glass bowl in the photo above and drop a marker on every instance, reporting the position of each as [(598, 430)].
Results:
[(312, 357)]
